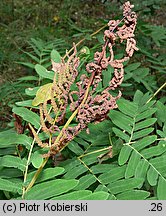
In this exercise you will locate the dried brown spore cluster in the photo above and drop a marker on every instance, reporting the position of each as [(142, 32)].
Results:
[(65, 74), (96, 108), (90, 106)]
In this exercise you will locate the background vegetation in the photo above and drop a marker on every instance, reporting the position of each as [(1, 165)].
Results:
[(30, 30)]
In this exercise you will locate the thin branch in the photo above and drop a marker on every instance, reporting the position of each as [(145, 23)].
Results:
[(28, 161), (82, 40), (158, 90), (93, 152), (36, 175)]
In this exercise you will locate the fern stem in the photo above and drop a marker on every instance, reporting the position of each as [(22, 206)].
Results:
[(89, 153), (82, 40), (37, 174), (132, 132), (162, 139), (28, 161), (158, 90)]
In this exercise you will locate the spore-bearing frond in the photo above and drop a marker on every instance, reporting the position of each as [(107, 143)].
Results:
[(89, 105), (65, 74)]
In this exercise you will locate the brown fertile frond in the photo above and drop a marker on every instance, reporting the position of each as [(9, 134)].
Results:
[(88, 105), (42, 121), (46, 114), (38, 140), (65, 74)]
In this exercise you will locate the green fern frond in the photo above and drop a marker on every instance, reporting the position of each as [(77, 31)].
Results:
[(142, 153)]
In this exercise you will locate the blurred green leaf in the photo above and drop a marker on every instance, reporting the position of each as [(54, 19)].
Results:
[(55, 56), (43, 72)]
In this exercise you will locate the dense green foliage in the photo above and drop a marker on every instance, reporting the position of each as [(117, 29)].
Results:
[(123, 157)]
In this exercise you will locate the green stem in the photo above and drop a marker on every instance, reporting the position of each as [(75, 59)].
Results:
[(96, 151), (82, 40), (37, 174), (158, 90), (28, 161)]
